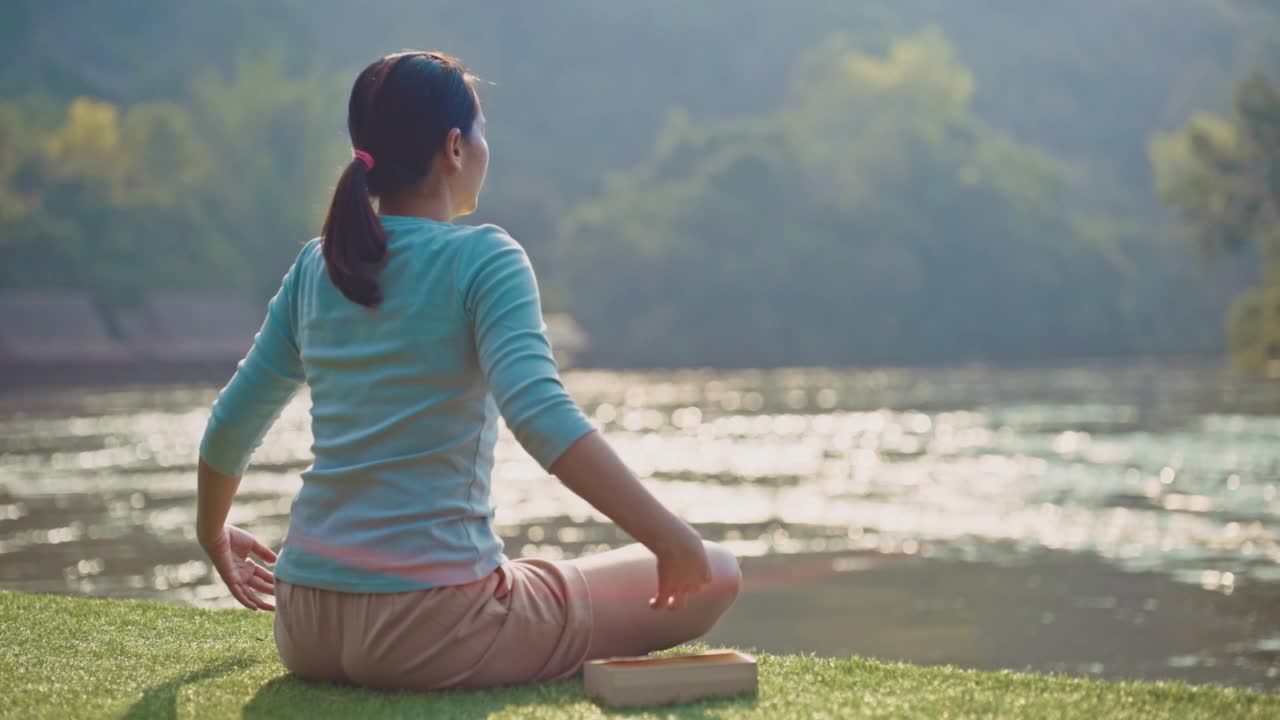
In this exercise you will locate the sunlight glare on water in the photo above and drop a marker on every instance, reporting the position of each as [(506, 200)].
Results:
[(1153, 469)]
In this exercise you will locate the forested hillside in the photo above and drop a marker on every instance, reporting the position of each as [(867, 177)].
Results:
[(736, 183)]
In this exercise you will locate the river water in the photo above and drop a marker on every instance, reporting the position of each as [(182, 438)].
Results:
[(1118, 522)]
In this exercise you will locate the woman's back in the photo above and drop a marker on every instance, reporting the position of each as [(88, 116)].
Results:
[(414, 336), (405, 404)]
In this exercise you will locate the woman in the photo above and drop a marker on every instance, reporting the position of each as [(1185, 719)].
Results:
[(413, 335)]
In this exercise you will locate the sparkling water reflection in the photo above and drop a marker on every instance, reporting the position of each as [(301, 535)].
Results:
[(1155, 471)]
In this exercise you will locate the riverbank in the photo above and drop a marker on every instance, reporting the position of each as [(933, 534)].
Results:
[(65, 657)]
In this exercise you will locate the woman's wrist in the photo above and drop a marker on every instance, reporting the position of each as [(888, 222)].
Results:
[(675, 539), (208, 536), (214, 494)]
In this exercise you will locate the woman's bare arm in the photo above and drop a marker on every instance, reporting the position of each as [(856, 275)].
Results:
[(500, 293), (593, 471), (229, 547)]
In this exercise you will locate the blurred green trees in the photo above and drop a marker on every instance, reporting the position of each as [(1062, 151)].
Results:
[(105, 199), (121, 200), (979, 192), (875, 218), (1223, 177), (282, 141)]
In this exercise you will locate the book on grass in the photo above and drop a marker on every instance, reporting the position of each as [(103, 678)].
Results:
[(660, 680)]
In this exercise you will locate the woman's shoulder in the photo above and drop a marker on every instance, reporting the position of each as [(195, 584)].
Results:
[(307, 254), (491, 237), (484, 244), (312, 247), (308, 250), (493, 263)]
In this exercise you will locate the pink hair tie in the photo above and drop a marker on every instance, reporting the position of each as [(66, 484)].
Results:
[(364, 157)]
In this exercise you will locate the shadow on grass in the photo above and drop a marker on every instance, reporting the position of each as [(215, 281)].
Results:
[(713, 707), (288, 696), (161, 701)]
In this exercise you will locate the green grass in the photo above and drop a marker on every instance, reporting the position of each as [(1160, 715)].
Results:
[(64, 657)]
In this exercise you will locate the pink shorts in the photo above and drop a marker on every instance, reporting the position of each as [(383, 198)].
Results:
[(528, 621)]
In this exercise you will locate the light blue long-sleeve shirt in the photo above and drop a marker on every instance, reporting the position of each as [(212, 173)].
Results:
[(405, 406)]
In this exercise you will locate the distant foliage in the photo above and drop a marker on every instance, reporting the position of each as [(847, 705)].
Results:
[(121, 200), (105, 200), (875, 219), (282, 141), (1222, 175), (938, 177)]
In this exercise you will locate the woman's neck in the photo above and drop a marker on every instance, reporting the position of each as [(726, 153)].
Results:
[(436, 205)]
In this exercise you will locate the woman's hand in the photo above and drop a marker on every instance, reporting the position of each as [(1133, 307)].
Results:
[(229, 550), (683, 569)]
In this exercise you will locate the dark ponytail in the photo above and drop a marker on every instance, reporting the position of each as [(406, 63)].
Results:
[(354, 243), (402, 108)]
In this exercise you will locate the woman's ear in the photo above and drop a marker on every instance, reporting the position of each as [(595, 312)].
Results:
[(453, 150)]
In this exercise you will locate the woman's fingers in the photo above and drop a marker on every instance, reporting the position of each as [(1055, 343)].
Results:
[(668, 601), (245, 594), (682, 595), (243, 577), (263, 552), (262, 586), (662, 599), (263, 603), (249, 568), (263, 573), (242, 596), (674, 597), (242, 581)]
